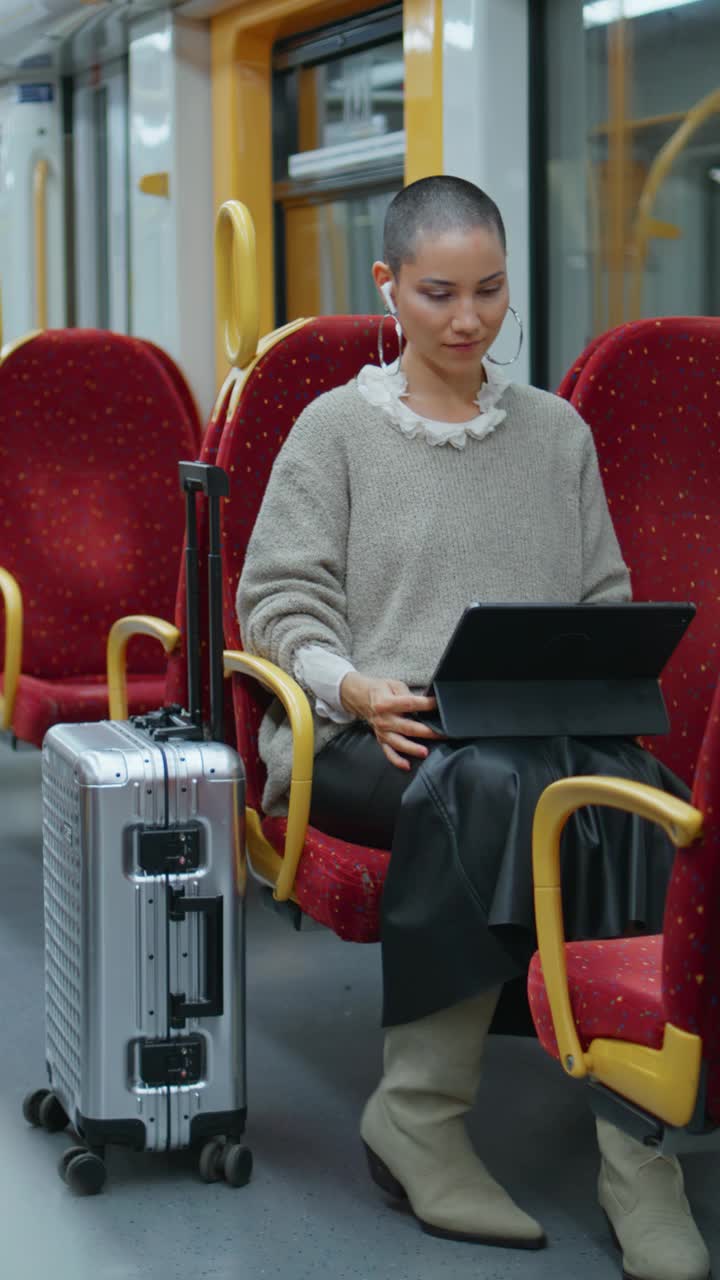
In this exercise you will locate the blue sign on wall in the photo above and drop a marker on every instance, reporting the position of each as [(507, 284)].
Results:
[(36, 92)]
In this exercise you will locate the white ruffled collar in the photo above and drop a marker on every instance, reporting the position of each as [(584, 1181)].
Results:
[(386, 390)]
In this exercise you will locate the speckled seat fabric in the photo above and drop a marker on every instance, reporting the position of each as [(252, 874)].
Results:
[(567, 386), (338, 884), (91, 431), (629, 988), (650, 391)]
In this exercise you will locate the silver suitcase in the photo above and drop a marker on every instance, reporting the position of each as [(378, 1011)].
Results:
[(144, 875)]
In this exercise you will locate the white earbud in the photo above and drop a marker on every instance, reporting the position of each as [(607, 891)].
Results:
[(386, 291)]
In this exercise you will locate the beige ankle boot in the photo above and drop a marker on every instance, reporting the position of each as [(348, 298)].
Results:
[(643, 1196), (414, 1133)]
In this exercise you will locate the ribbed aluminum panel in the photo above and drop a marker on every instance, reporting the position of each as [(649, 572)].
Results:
[(63, 922)]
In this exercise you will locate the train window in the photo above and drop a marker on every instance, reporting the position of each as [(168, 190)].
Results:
[(632, 166), (338, 154)]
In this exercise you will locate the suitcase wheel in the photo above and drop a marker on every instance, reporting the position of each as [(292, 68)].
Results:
[(211, 1160), (83, 1172), (42, 1109), (52, 1114), (66, 1157), (237, 1164), (228, 1160), (31, 1106)]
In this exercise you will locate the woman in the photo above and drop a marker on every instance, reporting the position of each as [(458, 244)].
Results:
[(396, 500)]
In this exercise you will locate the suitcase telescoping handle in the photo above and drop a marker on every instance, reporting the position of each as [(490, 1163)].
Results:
[(212, 1005), (201, 477)]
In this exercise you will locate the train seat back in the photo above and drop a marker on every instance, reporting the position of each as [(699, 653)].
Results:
[(338, 884), (691, 928), (180, 384), (650, 391), (91, 429), (567, 386)]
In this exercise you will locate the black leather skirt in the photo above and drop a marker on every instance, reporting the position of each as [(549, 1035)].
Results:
[(457, 911)]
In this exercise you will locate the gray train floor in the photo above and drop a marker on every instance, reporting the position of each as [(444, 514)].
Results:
[(314, 1053)]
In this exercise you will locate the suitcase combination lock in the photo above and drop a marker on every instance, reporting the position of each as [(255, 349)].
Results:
[(168, 851), (171, 1062)]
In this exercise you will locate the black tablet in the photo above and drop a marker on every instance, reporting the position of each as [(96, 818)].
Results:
[(537, 669)]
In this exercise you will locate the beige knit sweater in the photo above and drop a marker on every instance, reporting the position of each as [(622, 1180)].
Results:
[(372, 544)]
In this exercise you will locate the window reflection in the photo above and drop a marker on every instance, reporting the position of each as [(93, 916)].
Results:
[(338, 165), (361, 96), (330, 249), (633, 138)]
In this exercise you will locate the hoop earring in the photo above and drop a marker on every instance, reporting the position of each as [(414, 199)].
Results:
[(388, 368), (520, 344)]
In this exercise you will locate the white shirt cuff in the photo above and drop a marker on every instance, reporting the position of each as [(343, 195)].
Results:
[(323, 672)]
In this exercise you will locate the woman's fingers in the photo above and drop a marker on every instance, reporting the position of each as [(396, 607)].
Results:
[(412, 728), (399, 703), (406, 745), (399, 761), (427, 703), (396, 733)]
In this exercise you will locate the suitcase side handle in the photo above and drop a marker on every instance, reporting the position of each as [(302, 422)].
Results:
[(211, 1006)]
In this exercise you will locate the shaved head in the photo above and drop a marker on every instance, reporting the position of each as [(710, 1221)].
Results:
[(432, 206)]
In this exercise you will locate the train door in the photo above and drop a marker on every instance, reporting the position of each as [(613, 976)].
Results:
[(100, 161), (339, 154), (32, 234)]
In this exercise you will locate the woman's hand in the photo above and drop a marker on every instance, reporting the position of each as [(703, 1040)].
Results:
[(385, 704)]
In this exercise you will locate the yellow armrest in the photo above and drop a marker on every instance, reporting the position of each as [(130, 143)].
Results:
[(12, 597), (663, 1081), (136, 624), (683, 825), (298, 712)]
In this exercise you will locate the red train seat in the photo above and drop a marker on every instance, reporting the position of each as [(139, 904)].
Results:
[(647, 992), (650, 391), (337, 883), (567, 386), (179, 382), (91, 429)]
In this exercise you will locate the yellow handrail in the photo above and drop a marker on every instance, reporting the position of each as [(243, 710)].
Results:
[(645, 225), (40, 177), (237, 301), (12, 597), (237, 282), (137, 624), (297, 709)]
